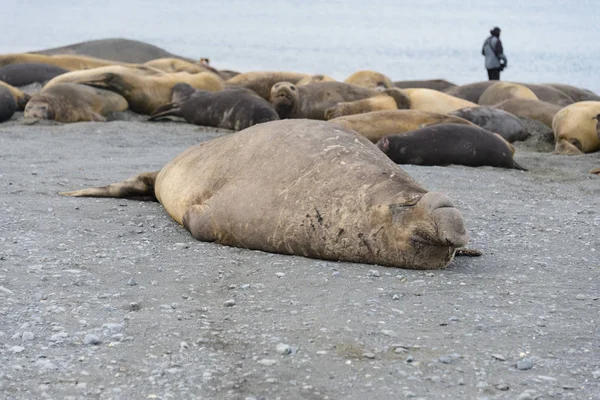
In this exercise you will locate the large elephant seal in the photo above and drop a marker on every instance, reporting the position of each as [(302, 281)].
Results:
[(435, 84), (145, 93), (447, 144), (471, 91), (435, 101), (114, 49), (8, 105), (500, 91), (261, 82), (66, 61), (284, 194), (314, 78), (234, 109), (312, 100), (28, 73), (72, 102), (176, 65), (498, 121), (575, 93), (377, 124), (576, 128), (370, 80), (371, 104), (21, 98), (534, 109)]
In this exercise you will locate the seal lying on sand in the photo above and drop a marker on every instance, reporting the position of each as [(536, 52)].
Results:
[(501, 91), (312, 100), (576, 128), (370, 80), (21, 98), (72, 102), (447, 144), (534, 109), (284, 195), (28, 73), (261, 82), (145, 93), (501, 122), (234, 109), (66, 61), (377, 124), (114, 49), (372, 104), (575, 93), (8, 105), (435, 101), (435, 84), (471, 91)]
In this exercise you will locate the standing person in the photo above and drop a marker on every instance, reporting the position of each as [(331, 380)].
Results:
[(495, 60)]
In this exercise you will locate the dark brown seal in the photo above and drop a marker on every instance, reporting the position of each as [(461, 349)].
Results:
[(284, 194), (494, 120), (314, 99), (447, 144), (8, 105), (28, 73), (234, 109)]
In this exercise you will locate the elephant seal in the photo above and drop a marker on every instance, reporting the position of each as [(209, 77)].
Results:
[(261, 82), (176, 65), (549, 94), (66, 61), (470, 92), (575, 93), (294, 202), (314, 78), (576, 128), (234, 109), (114, 49), (377, 124), (312, 100), (370, 80), (72, 102), (376, 103), (435, 101), (21, 98), (8, 105), (447, 144), (501, 91), (145, 93), (435, 84), (534, 109), (498, 121), (28, 73)]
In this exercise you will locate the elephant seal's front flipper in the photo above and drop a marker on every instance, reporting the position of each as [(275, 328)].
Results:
[(197, 220), (139, 187)]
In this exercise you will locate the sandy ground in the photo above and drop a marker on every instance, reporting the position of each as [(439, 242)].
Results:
[(110, 299)]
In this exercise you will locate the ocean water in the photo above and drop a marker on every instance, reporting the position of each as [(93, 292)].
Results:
[(544, 40)]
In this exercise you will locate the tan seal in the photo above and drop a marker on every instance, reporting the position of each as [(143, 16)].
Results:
[(576, 128), (370, 80), (72, 102), (435, 101), (284, 195), (500, 91), (261, 82), (528, 108)]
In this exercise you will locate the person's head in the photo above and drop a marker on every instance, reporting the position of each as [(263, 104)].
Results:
[(495, 32)]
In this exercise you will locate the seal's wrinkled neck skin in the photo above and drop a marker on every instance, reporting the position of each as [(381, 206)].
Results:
[(284, 98)]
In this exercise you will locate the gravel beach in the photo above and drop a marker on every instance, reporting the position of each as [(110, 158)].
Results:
[(111, 299)]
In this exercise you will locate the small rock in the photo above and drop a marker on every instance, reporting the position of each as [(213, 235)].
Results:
[(481, 385), (453, 319), (526, 395), (410, 395), (388, 332), (267, 362), (17, 349), (596, 374), (409, 359), (183, 345), (502, 386), (112, 328), (131, 282), (27, 336), (280, 274), (499, 357), (369, 354), (525, 364), (395, 297), (374, 273), (445, 360), (229, 303), (91, 339), (135, 306), (580, 296), (283, 348)]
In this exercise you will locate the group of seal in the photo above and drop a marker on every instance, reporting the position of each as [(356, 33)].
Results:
[(288, 172)]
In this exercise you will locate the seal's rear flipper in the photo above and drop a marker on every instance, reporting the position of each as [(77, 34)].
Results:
[(463, 251), (167, 110), (517, 166), (139, 187), (595, 171)]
